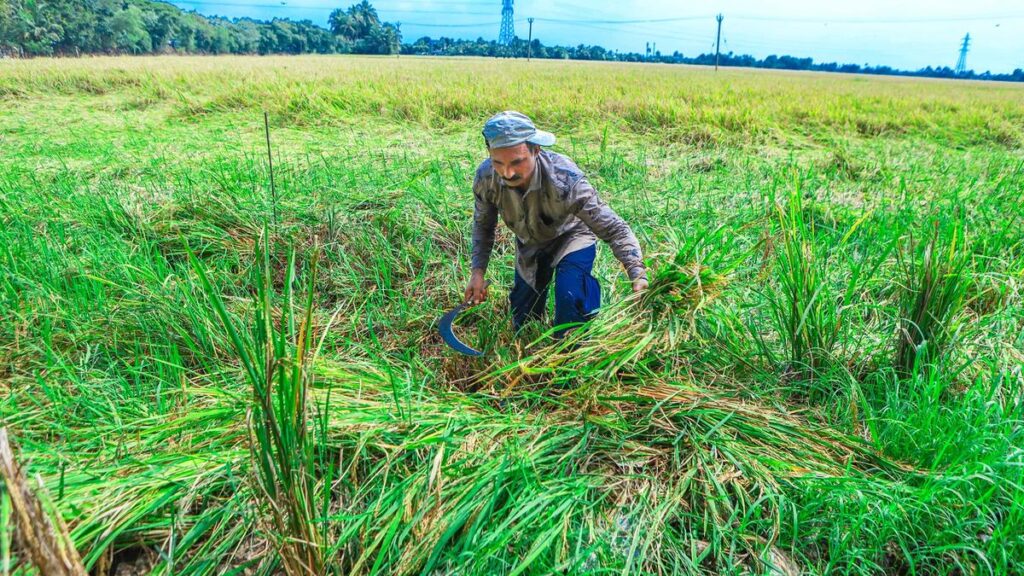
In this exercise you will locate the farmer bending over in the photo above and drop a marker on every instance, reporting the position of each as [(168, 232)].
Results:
[(557, 218)]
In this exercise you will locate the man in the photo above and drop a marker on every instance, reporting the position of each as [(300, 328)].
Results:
[(557, 217)]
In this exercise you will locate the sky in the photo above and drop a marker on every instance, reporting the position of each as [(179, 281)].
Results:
[(909, 35)]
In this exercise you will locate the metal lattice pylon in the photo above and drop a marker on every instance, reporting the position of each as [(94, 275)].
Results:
[(961, 63), (507, 30)]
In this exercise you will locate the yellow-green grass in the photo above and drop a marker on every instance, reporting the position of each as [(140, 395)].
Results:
[(679, 103), (760, 409)]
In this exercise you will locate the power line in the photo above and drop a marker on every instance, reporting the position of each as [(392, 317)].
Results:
[(573, 10), (283, 5), (601, 24), (633, 31), (703, 40), (378, 6), (812, 20), (641, 21), (576, 9), (628, 26), (1009, 16), (474, 25)]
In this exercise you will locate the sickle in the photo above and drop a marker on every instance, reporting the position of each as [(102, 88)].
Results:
[(449, 336)]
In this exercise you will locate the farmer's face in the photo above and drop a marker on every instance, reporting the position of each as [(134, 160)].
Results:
[(514, 164)]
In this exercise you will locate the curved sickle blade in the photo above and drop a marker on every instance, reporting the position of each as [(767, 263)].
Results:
[(449, 336)]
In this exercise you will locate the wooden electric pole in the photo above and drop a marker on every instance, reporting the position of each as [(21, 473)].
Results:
[(718, 40), (529, 43)]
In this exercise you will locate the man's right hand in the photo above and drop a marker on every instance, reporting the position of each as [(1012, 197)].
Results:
[(476, 292)]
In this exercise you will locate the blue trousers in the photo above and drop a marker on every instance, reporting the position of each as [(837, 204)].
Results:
[(577, 293)]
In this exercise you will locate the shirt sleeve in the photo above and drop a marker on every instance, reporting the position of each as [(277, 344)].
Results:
[(609, 227), (485, 219)]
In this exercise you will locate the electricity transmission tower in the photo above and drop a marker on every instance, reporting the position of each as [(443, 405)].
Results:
[(508, 33), (961, 63)]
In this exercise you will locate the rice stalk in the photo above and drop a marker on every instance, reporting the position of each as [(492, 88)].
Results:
[(936, 285), (275, 359)]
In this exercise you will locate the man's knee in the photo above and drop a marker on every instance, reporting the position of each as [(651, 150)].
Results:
[(577, 295), (579, 299)]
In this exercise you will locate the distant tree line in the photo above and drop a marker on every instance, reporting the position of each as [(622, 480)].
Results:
[(74, 27), (520, 49)]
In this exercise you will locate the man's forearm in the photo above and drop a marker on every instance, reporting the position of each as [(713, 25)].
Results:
[(484, 223), (609, 227), (481, 254), (613, 230), (624, 244)]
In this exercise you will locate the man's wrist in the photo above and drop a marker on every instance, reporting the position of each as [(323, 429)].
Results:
[(637, 273)]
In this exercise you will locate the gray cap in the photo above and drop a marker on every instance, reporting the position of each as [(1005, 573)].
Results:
[(511, 128)]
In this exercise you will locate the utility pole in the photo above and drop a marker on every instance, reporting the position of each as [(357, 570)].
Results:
[(718, 39), (961, 63), (654, 50), (529, 43)]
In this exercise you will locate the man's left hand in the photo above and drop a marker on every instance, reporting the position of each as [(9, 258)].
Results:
[(640, 284)]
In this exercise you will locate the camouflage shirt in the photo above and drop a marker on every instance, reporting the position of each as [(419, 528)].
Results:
[(559, 213)]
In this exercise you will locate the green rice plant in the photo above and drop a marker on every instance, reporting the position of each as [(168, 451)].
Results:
[(640, 477), (617, 374), (803, 310), (275, 356), (965, 448), (680, 432), (936, 289), (811, 312)]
